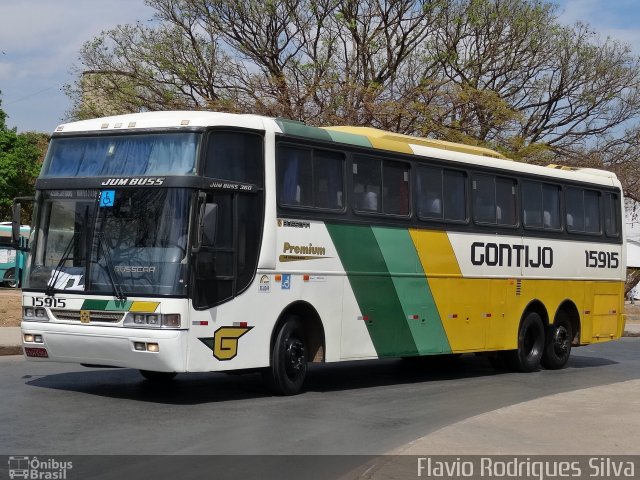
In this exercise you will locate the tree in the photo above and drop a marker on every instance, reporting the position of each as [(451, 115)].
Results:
[(498, 73), (20, 160)]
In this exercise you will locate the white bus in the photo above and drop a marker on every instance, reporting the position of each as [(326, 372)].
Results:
[(198, 241)]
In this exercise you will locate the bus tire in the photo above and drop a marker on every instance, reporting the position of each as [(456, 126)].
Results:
[(531, 340), (10, 280), (558, 345), (288, 368), (158, 377)]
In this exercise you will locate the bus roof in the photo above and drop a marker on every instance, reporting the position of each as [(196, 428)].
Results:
[(5, 229), (359, 136)]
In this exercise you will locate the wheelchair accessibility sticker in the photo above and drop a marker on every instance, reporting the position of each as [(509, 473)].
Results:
[(107, 197), (286, 281)]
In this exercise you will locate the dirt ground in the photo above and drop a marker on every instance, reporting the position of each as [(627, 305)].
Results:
[(11, 310)]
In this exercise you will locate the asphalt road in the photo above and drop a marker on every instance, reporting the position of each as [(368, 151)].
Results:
[(354, 408)]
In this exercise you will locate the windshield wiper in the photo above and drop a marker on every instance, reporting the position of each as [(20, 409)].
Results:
[(51, 285), (111, 271)]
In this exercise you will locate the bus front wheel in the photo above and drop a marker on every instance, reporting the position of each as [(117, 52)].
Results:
[(288, 368), (558, 345), (531, 341), (10, 280)]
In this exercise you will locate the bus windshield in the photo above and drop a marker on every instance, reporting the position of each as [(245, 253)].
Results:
[(144, 154), (136, 243)]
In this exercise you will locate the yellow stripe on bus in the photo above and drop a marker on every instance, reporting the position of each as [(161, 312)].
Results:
[(483, 314), (148, 307)]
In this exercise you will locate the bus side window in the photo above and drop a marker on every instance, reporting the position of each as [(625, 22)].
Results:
[(367, 184), (591, 211), (396, 188), (235, 156), (583, 210), (430, 193), (455, 195), (575, 209), (328, 179), (295, 175), (505, 201), (551, 207), (540, 205), (484, 203), (611, 226), (532, 204)]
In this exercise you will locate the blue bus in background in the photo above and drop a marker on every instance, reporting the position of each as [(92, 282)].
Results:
[(11, 260)]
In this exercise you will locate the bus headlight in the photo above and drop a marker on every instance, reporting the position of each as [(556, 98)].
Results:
[(152, 320), (37, 314), (171, 320)]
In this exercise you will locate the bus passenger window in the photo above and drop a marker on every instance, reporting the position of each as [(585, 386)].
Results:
[(532, 204), (574, 200), (366, 184), (484, 200), (494, 200), (505, 201), (591, 211), (396, 188), (455, 195), (328, 179), (430, 192), (583, 210), (294, 176), (551, 207), (540, 205), (611, 226)]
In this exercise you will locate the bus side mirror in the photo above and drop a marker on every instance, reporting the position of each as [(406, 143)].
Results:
[(210, 224), (15, 224), (207, 226)]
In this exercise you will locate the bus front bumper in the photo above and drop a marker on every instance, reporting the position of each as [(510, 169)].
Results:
[(144, 349)]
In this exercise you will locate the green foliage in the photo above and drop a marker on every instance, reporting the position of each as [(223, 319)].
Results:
[(21, 156)]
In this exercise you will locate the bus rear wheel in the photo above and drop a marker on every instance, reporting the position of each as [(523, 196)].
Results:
[(531, 341), (288, 368), (558, 345)]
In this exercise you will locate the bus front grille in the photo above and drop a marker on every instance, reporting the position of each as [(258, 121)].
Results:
[(93, 316)]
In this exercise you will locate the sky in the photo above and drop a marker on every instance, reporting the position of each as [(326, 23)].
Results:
[(40, 41)]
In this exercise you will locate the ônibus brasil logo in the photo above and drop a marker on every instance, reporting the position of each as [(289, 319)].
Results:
[(36, 469)]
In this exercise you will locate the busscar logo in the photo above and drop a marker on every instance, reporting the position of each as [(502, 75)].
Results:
[(293, 223), (134, 269), (131, 182)]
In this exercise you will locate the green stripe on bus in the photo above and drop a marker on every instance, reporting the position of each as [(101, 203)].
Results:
[(349, 138), (111, 305), (291, 127), (119, 305), (415, 296), (374, 289), (94, 305)]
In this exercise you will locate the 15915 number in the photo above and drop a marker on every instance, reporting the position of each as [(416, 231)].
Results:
[(49, 302), (599, 259)]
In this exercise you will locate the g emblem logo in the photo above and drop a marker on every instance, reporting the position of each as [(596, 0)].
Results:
[(225, 342)]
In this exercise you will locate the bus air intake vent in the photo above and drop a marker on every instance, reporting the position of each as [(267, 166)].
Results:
[(94, 316)]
